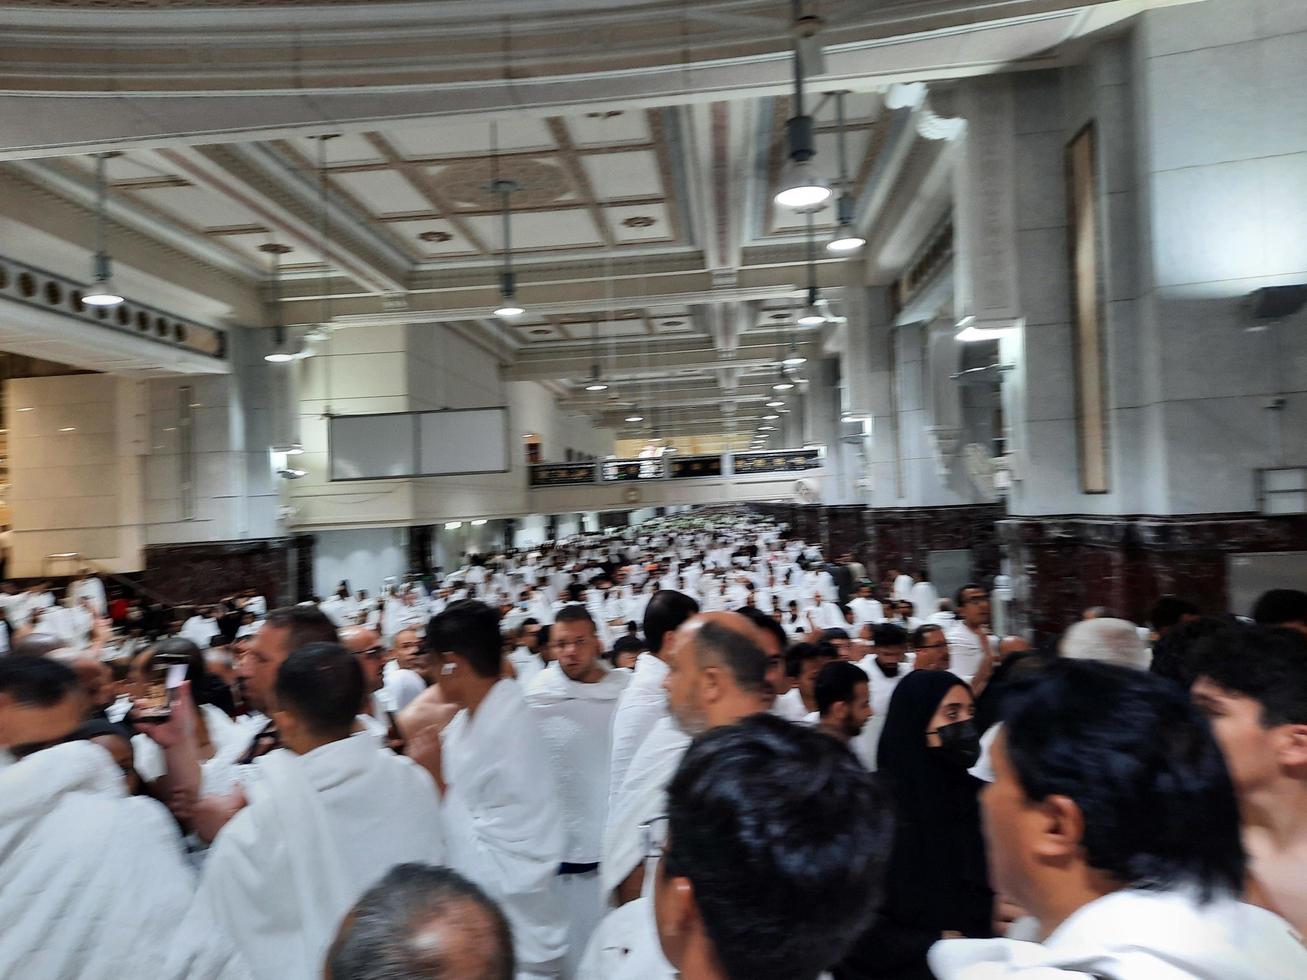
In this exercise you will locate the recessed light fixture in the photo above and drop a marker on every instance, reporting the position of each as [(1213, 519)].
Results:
[(453, 525), (783, 385), (766, 428), (27, 410), (69, 428), (775, 403), (770, 418), (635, 418), (479, 522)]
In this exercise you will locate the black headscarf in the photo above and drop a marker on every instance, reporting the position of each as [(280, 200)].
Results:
[(938, 879)]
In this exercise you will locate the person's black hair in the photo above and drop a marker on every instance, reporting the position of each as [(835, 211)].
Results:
[(321, 684), (800, 653), (625, 643), (834, 633), (575, 613), (889, 635), (716, 644), (784, 837), (1138, 759), (1266, 664), (382, 937), (666, 611), (576, 592), (306, 624), (919, 635), (1012, 669), (177, 649), (37, 682), (836, 682), (99, 728), (957, 596), (36, 645), (1175, 654), (1280, 606), (1169, 610), (765, 623), (470, 629)]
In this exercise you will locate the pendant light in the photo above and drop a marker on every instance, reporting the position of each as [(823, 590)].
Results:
[(793, 358), (846, 239), (782, 383), (812, 315), (801, 189), (103, 292), (281, 352), (509, 308)]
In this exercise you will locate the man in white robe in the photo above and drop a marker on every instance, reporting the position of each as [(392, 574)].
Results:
[(717, 675), (91, 880), (327, 817), (644, 701), (866, 610), (573, 701), (503, 822)]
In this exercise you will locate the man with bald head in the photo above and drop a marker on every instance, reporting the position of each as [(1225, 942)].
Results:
[(716, 676)]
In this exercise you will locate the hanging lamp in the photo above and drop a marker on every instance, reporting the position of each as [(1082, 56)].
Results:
[(102, 293), (812, 315), (845, 238), (802, 188), (281, 352), (509, 308)]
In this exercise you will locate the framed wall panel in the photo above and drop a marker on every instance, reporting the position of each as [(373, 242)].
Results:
[(1089, 340), (372, 447)]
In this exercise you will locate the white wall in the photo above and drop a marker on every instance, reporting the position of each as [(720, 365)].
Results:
[(75, 447), (364, 557)]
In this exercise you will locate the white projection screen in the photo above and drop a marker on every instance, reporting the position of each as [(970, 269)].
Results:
[(410, 444), (473, 440), (371, 447)]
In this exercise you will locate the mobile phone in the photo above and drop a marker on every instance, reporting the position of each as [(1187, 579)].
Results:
[(165, 677)]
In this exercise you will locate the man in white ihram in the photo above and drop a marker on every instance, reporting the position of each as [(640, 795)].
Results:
[(573, 701), (503, 822), (91, 880), (329, 815)]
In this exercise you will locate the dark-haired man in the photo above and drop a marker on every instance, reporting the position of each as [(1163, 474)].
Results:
[(972, 647), (503, 821), (1113, 822), (737, 861), (572, 702), (419, 923), (1286, 608), (93, 879), (327, 816), (843, 700), (644, 701), (1252, 684)]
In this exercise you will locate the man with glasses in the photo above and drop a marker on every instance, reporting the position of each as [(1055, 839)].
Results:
[(573, 701), (971, 645), (930, 647), (377, 713), (732, 861)]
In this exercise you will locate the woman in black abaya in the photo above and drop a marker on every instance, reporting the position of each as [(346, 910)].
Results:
[(938, 885)]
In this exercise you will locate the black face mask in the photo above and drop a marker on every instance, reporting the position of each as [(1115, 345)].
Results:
[(959, 743)]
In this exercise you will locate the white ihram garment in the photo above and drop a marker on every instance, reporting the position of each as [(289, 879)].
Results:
[(642, 703), (92, 881), (320, 829), (575, 721), (503, 822)]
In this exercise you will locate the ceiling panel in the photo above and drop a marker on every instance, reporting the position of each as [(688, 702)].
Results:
[(617, 175), (540, 229), (433, 236), (609, 128), (639, 222), (345, 149), (461, 138), (384, 191), (199, 207)]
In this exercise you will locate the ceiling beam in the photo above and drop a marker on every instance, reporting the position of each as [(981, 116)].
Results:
[(665, 356)]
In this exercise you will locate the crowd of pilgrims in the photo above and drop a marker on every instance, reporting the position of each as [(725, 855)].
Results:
[(692, 748)]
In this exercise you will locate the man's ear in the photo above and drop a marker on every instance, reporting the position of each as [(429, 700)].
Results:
[(1060, 830), (1292, 748), (710, 684), (287, 724), (683, 913)]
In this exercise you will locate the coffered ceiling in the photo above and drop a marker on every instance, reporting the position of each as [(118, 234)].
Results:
[(647, 138)]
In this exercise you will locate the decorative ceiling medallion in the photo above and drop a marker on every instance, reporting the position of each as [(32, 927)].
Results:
[(436, 236), (466, 183), (639, 221), (540, 332)]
